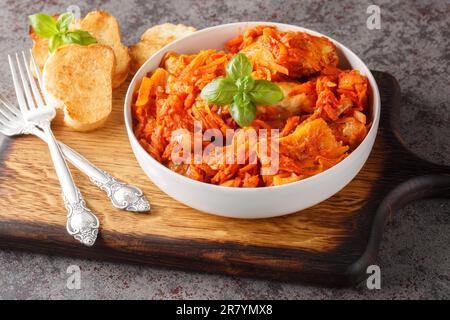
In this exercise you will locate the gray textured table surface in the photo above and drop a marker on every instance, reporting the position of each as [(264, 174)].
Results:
[(412, 44)]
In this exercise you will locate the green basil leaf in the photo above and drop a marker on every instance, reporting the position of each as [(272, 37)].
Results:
[(219, 91), (238, 67), (86, 37), (245, 84), (243, 110), (79, 37), (54, 42), (265, 93), (64, 21), (43, 24), (71, 37)]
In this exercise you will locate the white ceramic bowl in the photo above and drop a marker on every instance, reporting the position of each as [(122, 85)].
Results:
[(250, 202)]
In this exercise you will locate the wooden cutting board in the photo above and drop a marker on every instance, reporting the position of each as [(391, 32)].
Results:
[(331, 243)]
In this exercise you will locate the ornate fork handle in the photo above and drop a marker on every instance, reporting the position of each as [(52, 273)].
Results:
[(82, 224), (122, 195)]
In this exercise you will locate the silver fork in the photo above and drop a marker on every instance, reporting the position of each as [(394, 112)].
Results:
[(82, 224), (122, 195)]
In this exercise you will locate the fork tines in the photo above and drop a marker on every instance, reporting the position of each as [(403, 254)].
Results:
[(28, 99)]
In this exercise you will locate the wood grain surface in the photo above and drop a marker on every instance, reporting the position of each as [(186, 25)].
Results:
[(323, 244)]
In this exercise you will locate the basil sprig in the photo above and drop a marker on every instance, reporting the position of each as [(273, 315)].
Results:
[(239, 90), (57, 31)]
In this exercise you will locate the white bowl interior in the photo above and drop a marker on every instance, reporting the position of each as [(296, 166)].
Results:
[(218, 198)]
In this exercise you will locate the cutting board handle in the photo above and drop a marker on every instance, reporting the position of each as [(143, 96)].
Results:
[(422, 187)]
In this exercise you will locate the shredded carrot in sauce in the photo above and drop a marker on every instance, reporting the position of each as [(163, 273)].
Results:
[(322, 118)]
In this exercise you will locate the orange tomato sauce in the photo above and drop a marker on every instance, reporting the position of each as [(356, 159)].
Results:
[(322, 118)]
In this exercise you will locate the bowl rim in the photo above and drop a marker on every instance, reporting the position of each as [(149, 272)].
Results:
[(376, 110)]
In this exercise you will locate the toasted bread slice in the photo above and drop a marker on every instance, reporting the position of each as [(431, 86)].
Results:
[(154, 39), (105, 28), (40, 53), (80, 78)]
